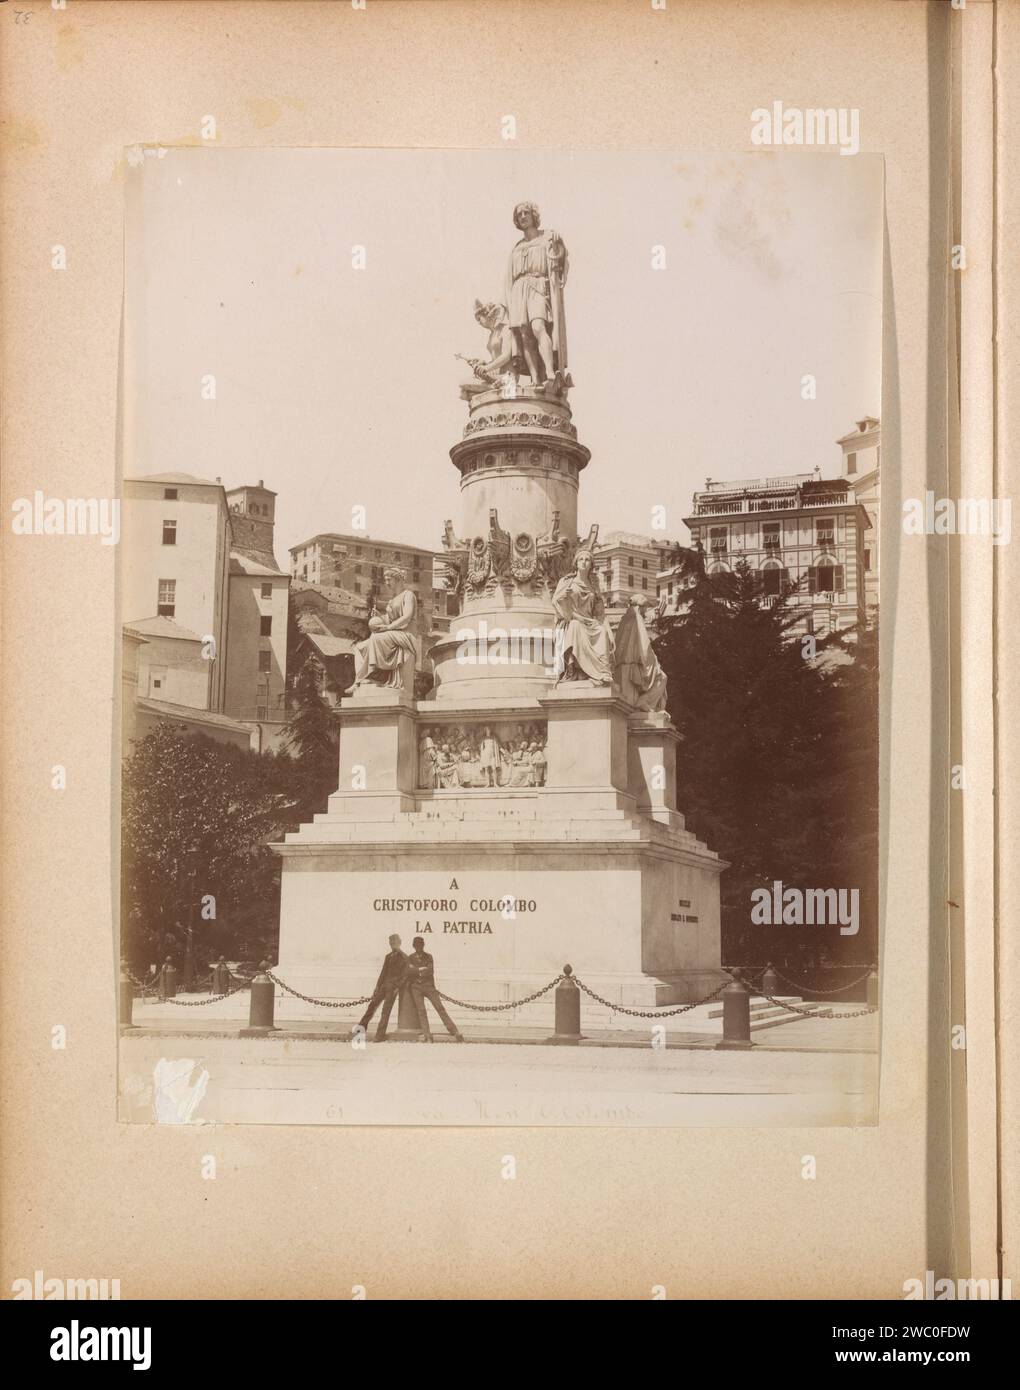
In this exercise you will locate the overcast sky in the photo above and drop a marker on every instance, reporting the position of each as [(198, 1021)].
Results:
[(338, 386)]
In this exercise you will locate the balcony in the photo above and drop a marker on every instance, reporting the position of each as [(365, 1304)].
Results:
[(784, 502)]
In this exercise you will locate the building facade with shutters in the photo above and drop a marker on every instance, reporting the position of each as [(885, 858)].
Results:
[(805, 536), (627, 564), (357, 564)]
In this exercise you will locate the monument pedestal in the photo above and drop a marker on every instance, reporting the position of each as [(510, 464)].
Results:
[(508, 884)]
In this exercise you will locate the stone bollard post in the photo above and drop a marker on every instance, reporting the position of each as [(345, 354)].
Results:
[(127, 1001), (871, 985), (261, 1008), (568, 1010), (408, 1026), (220, 977), (736, 999), (770, 981), (168, 980)]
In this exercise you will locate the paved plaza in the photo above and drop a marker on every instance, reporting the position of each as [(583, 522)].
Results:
[(812, 1071)]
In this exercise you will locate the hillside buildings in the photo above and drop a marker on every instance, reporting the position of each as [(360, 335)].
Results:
[(205, 608)]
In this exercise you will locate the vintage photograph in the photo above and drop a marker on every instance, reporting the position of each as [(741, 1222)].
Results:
[(499, 599)]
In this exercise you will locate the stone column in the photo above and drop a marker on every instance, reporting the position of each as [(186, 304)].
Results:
[(519, 462)]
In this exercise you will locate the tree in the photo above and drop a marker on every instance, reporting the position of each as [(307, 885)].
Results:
[(312, 740), (312, 731), (198, 818), (765, 745)]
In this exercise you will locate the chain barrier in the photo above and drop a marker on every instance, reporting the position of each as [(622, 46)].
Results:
[(747, 972), (185, 1003), (813, 989), (661, 1012), (499, 1008), (325, 1003), (816, 1013), (213, 998), (647, 1013), (146, 989)]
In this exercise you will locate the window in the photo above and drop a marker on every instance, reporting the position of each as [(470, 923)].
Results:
[(851, 463), (262, 712), (267, 590), (169, 494), (357, 586), (826, 579), (717, 539), (825, 532), (304, 571), (396, 555), (770, 535), (169, 532), (867, 560), (378, 554), (644, 583), (265, 626), (167, 598), (772, 579), (265, 661), (357, 550), (630, 578), (644, 564)]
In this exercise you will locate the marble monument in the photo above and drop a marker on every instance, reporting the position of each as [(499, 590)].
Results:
[(525, 814)]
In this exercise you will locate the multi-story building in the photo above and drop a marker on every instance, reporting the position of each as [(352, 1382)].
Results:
[(805, 536), (257, 622), (627, 564), (862, 457), (358, 565), (175, 552), (204, 597)]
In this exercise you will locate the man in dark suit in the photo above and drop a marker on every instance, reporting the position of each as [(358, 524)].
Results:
[(392, 977), (421, 975)]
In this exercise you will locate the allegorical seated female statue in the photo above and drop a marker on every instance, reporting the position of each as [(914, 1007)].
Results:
[(386, 658), (584, 639)]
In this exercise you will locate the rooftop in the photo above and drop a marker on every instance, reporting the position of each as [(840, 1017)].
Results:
[(185, 478), (242, 563), (329, 645), (361, 539), (160, 627), (188, 714), (330, 593), (631, 538), (792, 493)]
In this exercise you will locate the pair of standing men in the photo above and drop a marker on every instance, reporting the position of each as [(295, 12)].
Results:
[(417, 972)]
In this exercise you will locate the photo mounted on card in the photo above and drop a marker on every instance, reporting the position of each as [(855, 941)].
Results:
[(499, 600)]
